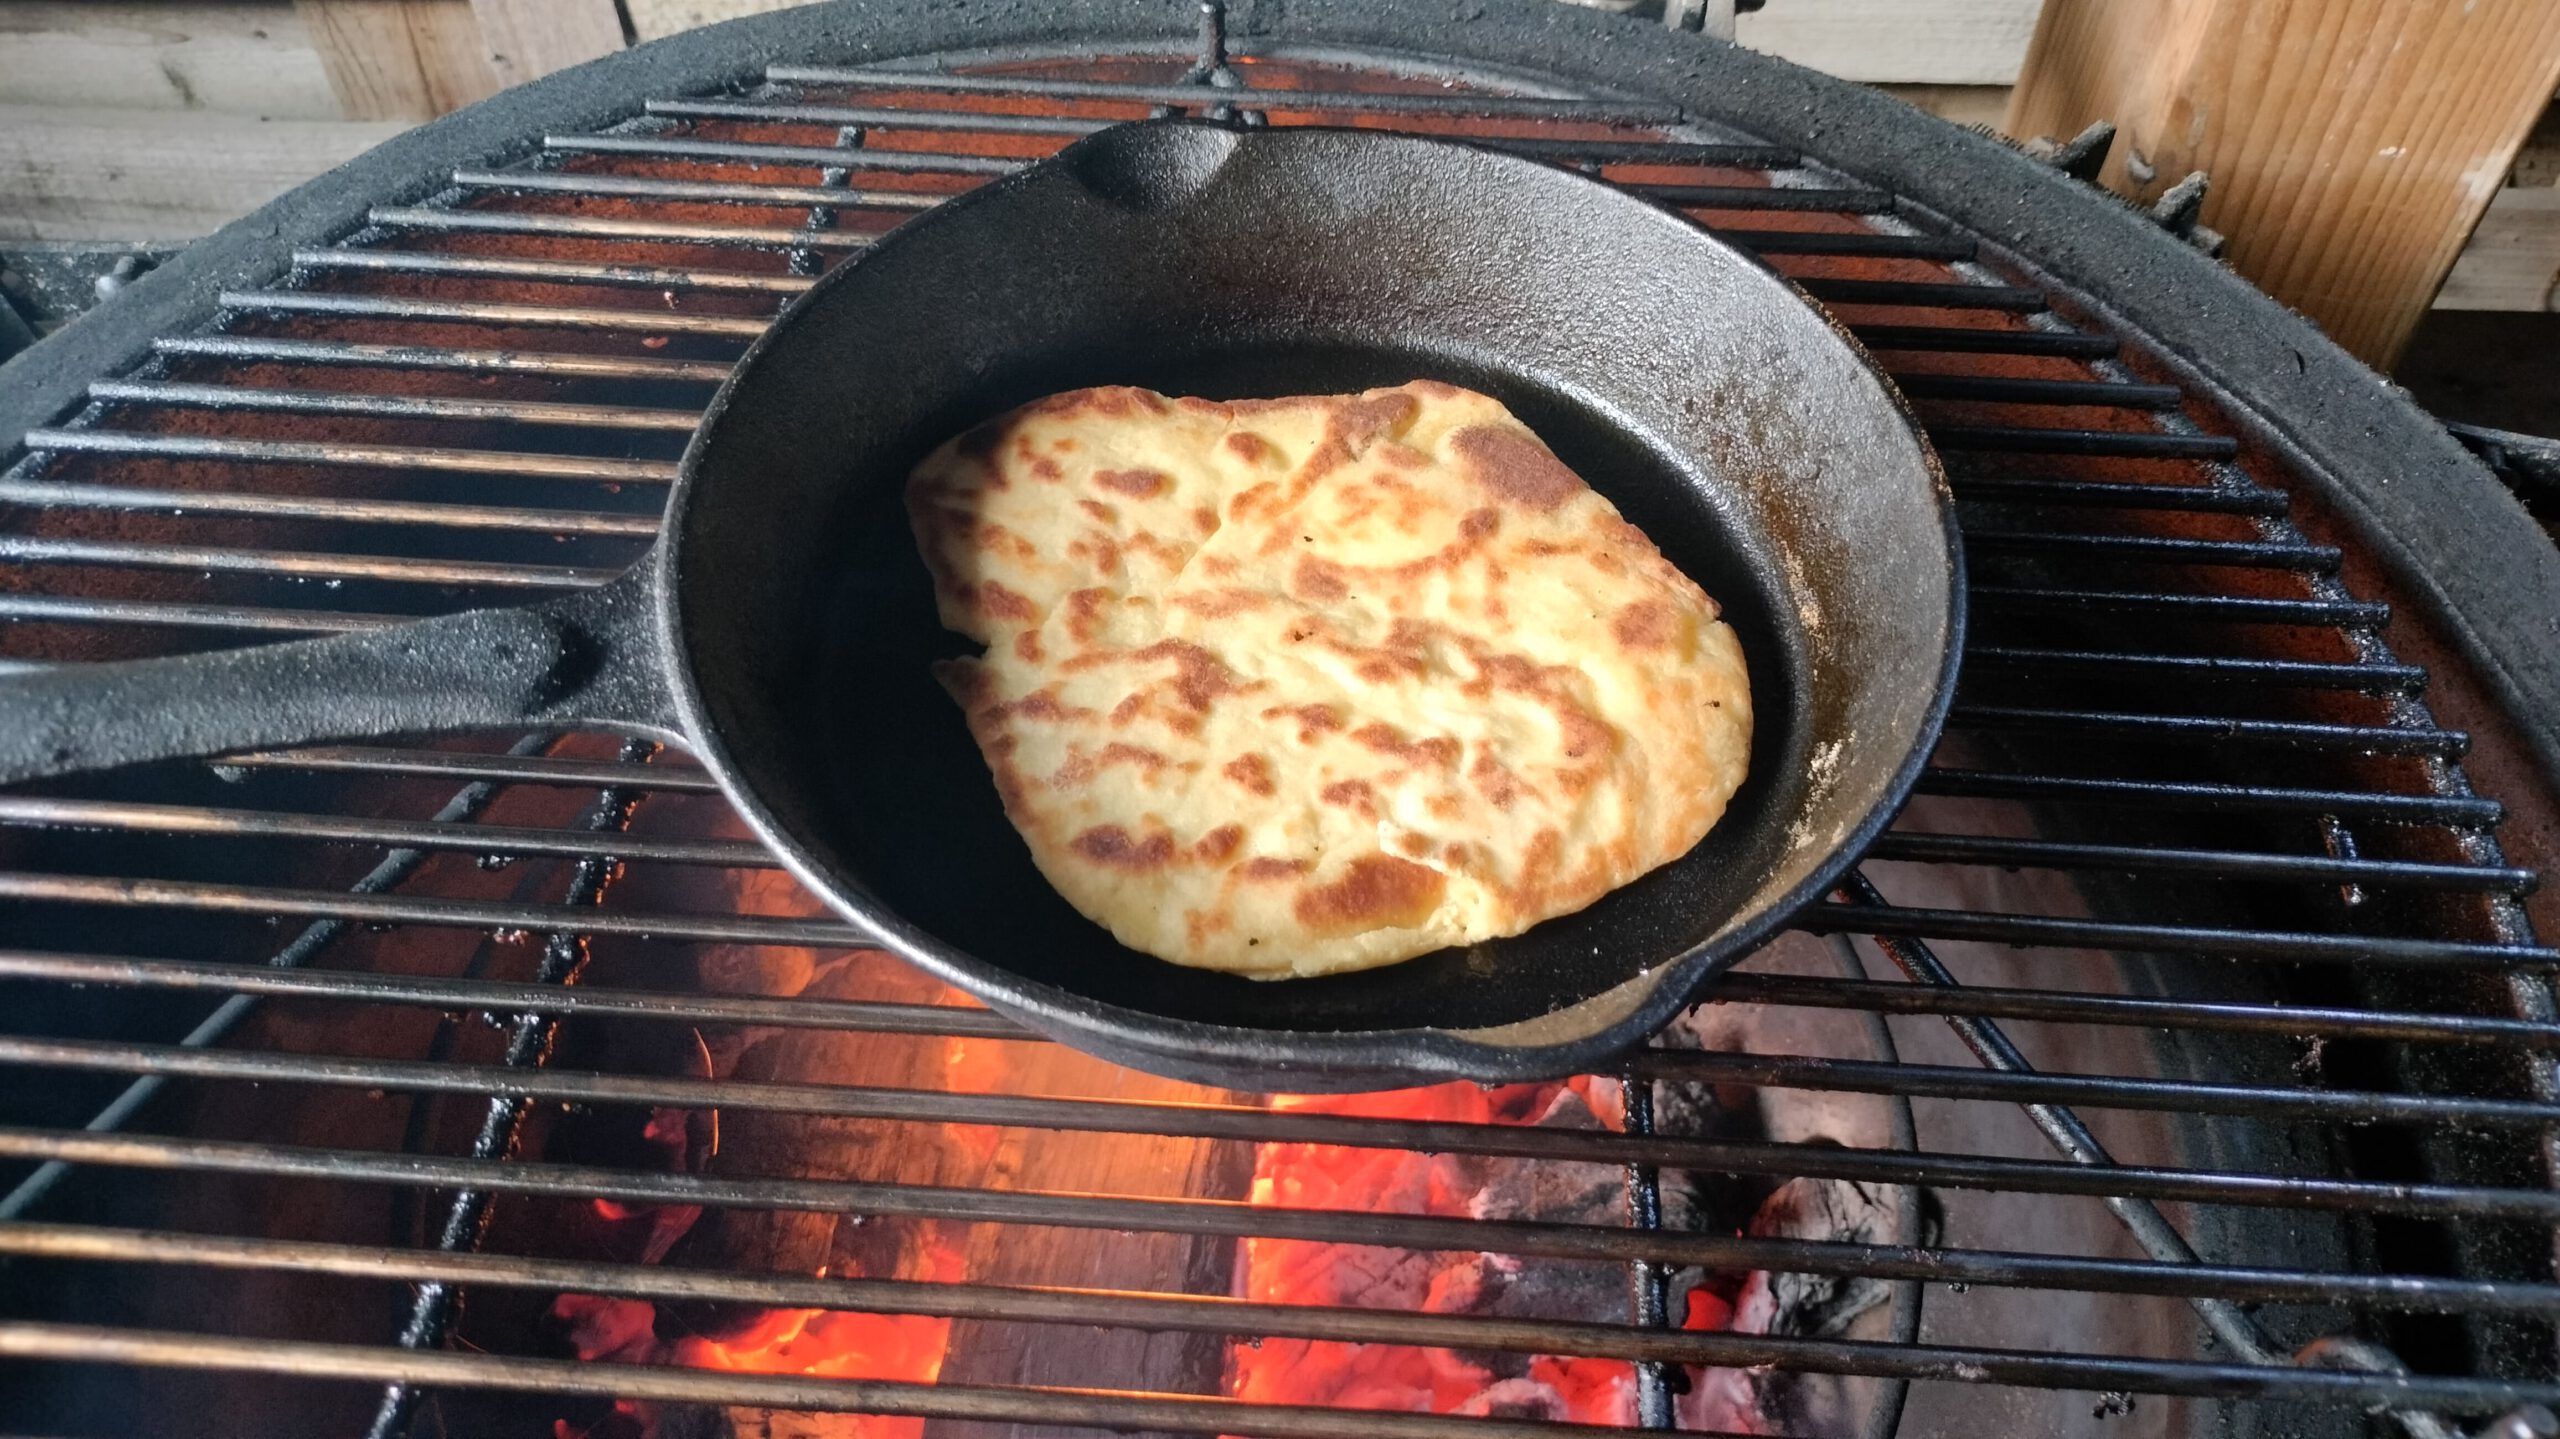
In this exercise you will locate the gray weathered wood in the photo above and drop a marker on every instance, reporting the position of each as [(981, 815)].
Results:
[(68, 174), (400, 59), (528, 39), (253, 58)]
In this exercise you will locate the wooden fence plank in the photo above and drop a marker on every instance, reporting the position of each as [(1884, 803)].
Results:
[(2353, 144), (528, 39), (400, 59), (1928, 42), (239, 59), (2513, 260), (657, 19), (69, 174), (1982, 105)]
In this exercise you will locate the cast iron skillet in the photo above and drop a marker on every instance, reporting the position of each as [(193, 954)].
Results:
[(782, 626)]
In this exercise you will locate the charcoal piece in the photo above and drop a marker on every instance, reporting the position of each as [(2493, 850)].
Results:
[(1818, 1406)]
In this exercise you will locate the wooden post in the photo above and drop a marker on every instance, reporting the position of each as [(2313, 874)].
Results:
[(2352, 144), (400, 59), (527, 39)]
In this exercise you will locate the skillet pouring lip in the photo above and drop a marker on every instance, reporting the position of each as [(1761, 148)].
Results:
[(1159, 165)]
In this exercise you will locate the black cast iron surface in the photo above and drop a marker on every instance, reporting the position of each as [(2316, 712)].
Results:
[(1763, 453), (2221, 1029)]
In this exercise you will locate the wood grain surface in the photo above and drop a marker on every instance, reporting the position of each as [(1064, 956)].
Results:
[(2352, 144), (528, 39), (400, 59)]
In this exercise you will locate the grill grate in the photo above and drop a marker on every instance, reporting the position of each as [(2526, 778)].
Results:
[(2194, 834)]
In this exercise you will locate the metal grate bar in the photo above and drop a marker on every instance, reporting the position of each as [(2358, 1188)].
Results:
[(1850, 201), (340, 452), (793, 112), (1197, 1414), (1725, 155), (2050, 931), (2002, 390), (84, 610), (2101, 1091), (581, 843), (1234, 1219), (850, 1016), (1179, 1313), (1958, 339), (2111, 494), (1868, 246), (430, 910), (52, 494), (1836, 200), (826, 157), (2222, 798), (2237, 609), (1648, 1282), (2036, 440), (2203, 1016), (2218, 669), (2025, 929), (2230, 864), (511, 267), (261, 348), (1355, 102), (717, 192), (403, 307), (1085, 1407), (465, 803), (517, 769), (529, 1040), (301, 564), (1774, 242), (421, 407), (504, 222), (2149, 1228), (1958, 296), (2217, 729), (874, 1017), (1257, 1125), (2160, 549)]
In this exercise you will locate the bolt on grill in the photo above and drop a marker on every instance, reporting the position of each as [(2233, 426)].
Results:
[(2195, 841)]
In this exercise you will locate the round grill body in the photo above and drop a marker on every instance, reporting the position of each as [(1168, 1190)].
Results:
[(2193, 1014)]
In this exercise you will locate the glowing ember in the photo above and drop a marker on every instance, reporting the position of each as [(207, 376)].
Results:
[(817, 1343), (975, 1066), (1391, 1181)]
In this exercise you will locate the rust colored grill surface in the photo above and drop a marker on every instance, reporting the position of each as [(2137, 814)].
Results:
[(2189, 1032)]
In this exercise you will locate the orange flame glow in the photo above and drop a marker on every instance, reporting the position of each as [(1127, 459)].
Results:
[(1402, 1377), (817, 1343)]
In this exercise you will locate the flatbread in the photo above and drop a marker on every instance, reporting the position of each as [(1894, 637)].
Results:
[(1286, 687)]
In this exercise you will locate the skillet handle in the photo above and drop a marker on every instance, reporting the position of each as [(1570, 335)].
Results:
[(582, 658)]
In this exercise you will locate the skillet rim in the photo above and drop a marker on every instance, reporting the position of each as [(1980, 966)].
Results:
[(1324, 1059)]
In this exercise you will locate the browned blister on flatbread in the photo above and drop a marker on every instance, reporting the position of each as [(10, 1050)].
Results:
[(1285, 687)]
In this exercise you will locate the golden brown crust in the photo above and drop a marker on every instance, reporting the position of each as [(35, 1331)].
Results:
[(1301, 685)]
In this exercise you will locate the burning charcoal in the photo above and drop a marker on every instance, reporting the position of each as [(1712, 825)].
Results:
[(1826, 1209), (1439, 1380), (805, 1147), (1819, 1406), (695, 1422), (1565, 1193), (995, 1352)]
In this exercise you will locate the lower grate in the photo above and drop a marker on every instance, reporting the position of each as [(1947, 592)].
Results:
[(2180, 1060)]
